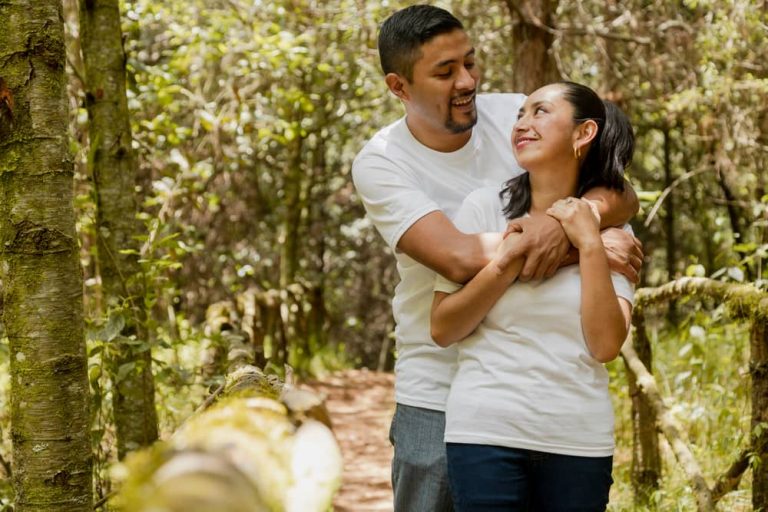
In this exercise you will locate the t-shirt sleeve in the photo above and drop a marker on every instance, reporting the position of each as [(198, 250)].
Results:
[(623, 286), (392, 196), (471, 218)]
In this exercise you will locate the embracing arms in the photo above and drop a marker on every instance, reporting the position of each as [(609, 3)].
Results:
[(546, 247), (454, 316), (435, 242)]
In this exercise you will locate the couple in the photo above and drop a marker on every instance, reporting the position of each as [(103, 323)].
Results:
[(530, 425)]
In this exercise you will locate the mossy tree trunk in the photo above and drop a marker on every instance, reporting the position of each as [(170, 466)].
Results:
[(114, 175), (759, 369), (646, 456), (40, 266)]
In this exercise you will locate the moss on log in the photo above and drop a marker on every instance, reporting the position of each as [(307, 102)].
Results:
[(249, 452)]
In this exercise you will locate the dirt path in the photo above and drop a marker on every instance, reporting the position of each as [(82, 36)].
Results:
[(361, 404)]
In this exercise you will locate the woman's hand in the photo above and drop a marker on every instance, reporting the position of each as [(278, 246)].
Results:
[(579, 220)]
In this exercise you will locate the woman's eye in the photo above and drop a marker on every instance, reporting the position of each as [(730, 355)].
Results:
[(539, 109)]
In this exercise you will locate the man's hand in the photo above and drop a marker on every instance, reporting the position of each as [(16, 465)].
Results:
[(625, 253), (579, 219), (542, 242)]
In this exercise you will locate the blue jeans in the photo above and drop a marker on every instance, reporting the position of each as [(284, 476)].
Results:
[(419, 469), (494, 479)]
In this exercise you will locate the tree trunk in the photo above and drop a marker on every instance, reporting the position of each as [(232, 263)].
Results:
[(646, 458), (40, 265), (534, 65), (669, 223), (759, 370), (289, 255), (114, 177)]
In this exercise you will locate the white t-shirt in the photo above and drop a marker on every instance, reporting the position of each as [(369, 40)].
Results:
[(399, 181), (526, 378)]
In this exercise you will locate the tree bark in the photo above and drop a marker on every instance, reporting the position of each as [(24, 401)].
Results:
[(40, 265), (669, 222), (646, 457), (114, 176), (759, 370), (264, 446), (534, 65)]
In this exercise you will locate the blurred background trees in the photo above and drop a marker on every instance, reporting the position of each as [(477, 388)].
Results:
[(245, 118)]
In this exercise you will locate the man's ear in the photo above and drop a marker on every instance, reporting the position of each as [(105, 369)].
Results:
[(396, 84)]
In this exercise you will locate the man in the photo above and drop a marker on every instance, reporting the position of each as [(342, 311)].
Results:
[(412, 177)]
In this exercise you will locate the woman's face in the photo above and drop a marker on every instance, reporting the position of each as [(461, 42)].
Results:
[(544, 132)]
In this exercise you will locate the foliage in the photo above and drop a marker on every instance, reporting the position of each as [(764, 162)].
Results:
[(246, 118), (701, 367)]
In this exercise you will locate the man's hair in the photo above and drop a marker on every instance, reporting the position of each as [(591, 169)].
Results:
[(403, 33)]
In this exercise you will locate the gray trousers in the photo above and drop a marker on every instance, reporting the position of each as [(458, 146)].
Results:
[(419, 468)]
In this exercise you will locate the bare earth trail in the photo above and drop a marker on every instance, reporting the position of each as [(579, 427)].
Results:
[(361, 405)]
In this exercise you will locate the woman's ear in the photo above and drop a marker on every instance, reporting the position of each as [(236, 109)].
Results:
[(396, 84), (585, 132)]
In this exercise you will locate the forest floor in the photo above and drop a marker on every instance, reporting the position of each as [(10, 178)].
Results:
[(361, 404)]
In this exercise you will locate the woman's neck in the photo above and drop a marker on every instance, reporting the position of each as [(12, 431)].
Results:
[(547, 186)]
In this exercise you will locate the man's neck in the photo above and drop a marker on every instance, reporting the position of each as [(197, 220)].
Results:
[(443, 141)]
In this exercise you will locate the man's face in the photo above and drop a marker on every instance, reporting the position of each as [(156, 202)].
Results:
[(441, 95)]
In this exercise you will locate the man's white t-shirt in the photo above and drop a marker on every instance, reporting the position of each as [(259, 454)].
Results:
[(399, 181), (525, 377)]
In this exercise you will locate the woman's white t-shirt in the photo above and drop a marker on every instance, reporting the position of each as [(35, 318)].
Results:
[(525, 377)]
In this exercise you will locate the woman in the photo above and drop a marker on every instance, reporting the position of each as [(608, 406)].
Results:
[(529, 421)]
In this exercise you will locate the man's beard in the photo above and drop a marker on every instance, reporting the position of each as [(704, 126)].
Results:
[(456, 127)]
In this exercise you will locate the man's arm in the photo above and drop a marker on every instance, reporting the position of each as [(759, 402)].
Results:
[(436, 243), (412, 222), (545, 246), (616, 208)]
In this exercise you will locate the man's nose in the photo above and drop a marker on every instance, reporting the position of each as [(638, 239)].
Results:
[(466, 80)]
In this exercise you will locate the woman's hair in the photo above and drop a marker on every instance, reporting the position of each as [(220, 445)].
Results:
[(610, 152)]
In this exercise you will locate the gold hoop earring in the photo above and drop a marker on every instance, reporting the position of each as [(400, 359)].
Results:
[(576, 152)]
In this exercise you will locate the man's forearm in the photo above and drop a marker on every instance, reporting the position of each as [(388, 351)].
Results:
[(471, 258), (616, 208)]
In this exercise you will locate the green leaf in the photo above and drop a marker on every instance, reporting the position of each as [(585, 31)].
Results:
[(123, 371)]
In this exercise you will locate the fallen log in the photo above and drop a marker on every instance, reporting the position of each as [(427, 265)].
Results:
[(261, 448)]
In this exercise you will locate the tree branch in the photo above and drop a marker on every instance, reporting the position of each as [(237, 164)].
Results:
[(729, 481), (668, 190), (743, 299), (527, 16)]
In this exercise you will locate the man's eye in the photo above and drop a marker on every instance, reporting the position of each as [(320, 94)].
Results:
[(443, 75), (469, 65)]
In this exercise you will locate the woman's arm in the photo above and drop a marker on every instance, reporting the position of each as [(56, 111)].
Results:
[(455, 316), (604, 316)]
